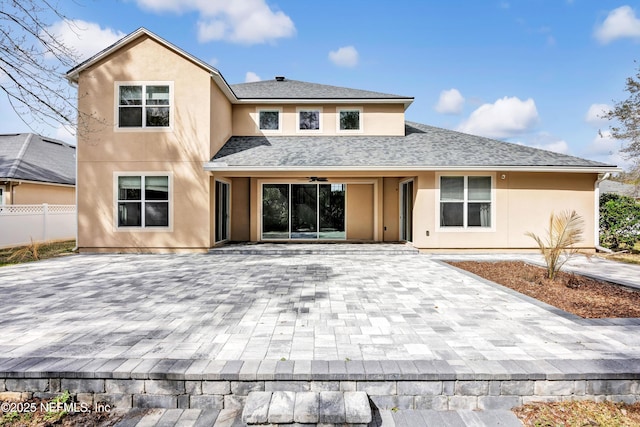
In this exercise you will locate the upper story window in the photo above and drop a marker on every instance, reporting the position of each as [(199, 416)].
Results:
[(466, 201), (144, 105), (309, 119), (269, 120), (350, 120)]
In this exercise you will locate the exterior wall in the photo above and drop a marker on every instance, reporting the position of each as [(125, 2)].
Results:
[(34, 194), (391, 210), (360, 211), (240, 199), (180, 151), (377, 119), (523, 202), (220, 118)]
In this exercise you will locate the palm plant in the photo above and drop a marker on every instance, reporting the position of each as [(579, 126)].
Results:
[(564, 232)]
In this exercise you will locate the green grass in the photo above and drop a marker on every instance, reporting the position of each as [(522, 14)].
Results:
[(35, 251)]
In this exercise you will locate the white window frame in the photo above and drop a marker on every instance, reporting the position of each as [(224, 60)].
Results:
[(116, 199), (361, 124), (311, 108), (3, 190), (265, 109), (143, 127), (465, 228)]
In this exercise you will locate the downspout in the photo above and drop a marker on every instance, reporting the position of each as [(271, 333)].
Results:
[(597, 214)]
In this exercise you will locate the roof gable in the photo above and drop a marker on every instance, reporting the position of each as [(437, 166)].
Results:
[(73, 74), (30, 157)]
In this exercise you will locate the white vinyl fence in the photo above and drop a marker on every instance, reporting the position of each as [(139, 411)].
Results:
[(19, 224)]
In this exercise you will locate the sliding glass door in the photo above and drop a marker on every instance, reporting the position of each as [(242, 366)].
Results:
[(406, 211), (303, 211)]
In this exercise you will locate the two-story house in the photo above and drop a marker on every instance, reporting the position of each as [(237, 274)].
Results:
[(173, 158)]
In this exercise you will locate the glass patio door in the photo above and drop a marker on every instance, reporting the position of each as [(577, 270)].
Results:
[(303, 211), (406, 211), (222, 211)]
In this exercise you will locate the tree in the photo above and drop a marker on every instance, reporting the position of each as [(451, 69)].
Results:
[(619, 221), (627, 114), (32, 61)]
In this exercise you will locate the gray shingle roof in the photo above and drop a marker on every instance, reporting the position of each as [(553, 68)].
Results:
[(422, 147), (30, 157), (294, 89)]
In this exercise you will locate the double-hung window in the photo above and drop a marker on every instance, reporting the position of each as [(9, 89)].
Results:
[(465, 201), (143, 200), (146, 105)]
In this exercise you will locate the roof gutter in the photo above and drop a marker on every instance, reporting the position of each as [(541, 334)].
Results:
[(224, 167)]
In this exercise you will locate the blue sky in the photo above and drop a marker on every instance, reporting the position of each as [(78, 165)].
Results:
[(536, 72)]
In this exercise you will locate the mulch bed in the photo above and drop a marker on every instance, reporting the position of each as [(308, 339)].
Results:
[(573, 293), (579, 413)]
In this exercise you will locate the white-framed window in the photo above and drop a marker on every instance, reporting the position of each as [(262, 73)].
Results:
[(309, 119), (466, 202), (1, 196), (269, 120), (349, 120), (144, 105), (143, 200)]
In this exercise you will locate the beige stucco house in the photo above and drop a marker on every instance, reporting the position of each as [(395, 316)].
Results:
[(176, 159), (36, 170)]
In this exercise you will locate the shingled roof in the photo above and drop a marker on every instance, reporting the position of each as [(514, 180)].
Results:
[(30, 157), (282, 88), (422, 148)]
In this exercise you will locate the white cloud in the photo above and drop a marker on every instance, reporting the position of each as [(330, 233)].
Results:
[(620, 23), (237, 21), (603, 144), (85, 38), (251, 77), (595, 113), (547, 141), (450, 102), (346, 56), (504, 118), (606, 149)]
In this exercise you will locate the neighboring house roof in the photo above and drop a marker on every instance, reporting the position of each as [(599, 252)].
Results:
[(422, 148), (619, 188), (286, 89), (30, 157)]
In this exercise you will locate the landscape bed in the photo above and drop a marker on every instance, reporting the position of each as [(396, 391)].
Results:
[(579, 295)]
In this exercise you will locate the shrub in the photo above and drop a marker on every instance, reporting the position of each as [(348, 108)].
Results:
[(564, 232), (619, 221)]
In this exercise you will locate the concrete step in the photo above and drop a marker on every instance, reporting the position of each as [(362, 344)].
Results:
[(288, 407), (315, 249), (431, 418)]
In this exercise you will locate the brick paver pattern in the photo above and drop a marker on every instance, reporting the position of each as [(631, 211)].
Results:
[(299, 307)]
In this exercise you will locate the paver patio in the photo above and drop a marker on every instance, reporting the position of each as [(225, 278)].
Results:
[(198, 332), (320, 307)]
